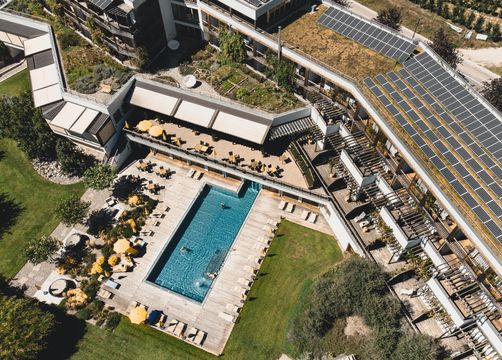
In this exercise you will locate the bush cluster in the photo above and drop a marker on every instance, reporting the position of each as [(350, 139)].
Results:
[(89, 84)]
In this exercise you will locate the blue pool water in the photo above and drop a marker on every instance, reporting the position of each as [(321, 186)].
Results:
[(202, 240)]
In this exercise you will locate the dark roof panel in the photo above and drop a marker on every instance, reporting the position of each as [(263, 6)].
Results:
[(19, 30)]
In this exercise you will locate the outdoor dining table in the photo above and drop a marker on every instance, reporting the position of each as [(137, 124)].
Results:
[(143, 166), (150, 186)]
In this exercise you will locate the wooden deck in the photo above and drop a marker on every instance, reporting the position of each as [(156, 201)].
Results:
[(214, 315)]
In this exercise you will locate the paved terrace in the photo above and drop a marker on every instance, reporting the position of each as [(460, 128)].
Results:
[(178, 194), (219, 150)]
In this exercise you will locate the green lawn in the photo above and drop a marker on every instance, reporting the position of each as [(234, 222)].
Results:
[(297, 256), (16, 84), (36, 198)]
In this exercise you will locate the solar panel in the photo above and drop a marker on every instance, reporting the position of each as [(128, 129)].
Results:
[(367, 33)]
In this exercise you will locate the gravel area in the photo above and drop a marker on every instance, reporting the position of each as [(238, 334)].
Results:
[(51, 171)]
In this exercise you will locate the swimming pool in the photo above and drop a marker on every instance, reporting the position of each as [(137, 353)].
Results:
[(201, 242)]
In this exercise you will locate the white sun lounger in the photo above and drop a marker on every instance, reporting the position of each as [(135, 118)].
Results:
[(264, 240), (305, 214), (250, 269), (199, 338), (364, 223), (312, 218), (273, 222), (178, 331), (282, 205), (290, 208), (172, 325), (360, 217), (233, 308), (244, 282), (190, 173), (197, 175), (190, 334), (227, 317)]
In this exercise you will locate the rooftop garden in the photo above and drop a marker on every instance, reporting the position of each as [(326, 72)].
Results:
[(86, 67), (228, 75), (16, 84), (337, 51)]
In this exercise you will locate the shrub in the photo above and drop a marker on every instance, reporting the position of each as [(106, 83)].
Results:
[(40, 250), (107, 250), (90, 286), (99, 177), (83, 314), (68, 39), (95, 307), (100, 220), (112, 320), (232, 48), (72, 210)]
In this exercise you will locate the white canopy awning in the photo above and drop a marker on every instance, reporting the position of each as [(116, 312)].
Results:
[(68, 115), (44, 76), (47, 95), (38, 44), (83, 122), (152, 100), (3, 37), (443, 297), (195, 114), (242, 128)]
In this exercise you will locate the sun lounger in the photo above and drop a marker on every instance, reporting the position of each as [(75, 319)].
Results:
[(172, 325), (198, 175), (407, 292), (131, 306), (282, 205), (105, 294), (244, 282), (178, 331), (190, 173), (264, 240), (312, 218), (250, 269), (255, 260), (199, 338), (305, 214), (273, 222), (190, 334), (360, 217), (162, 321), (364, 223), (227, 317), (290, 207), (233, 308), (110, 201)]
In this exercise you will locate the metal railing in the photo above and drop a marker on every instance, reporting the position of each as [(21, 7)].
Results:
[(312, 194)]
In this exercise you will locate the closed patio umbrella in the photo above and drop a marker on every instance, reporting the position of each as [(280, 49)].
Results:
[(121, 246), (144, 125), (138, 315), (156, 131)]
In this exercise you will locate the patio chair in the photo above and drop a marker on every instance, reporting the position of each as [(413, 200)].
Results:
[(172, 325), (190, 334), (305, 214), (282, 205), (199, 338), (290, 207), (364, 223), (360, 217), (190, 173), (178, 331), (162, 321), (312, 218)]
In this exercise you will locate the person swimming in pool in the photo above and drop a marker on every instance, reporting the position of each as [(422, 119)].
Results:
[(223, 205), (184, 250)]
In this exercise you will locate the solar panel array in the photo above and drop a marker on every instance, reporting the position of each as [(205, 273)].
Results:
[(366, 33), (473, 115), (439, 154)]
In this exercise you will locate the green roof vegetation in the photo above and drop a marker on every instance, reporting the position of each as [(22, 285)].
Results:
[(296, 257)]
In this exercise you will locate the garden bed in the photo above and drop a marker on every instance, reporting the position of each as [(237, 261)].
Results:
[(239, 83)]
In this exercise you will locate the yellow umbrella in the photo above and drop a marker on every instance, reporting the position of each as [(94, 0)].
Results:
[(138, 315), (134, 200), (144, 125), (121, 246), (156, 131)]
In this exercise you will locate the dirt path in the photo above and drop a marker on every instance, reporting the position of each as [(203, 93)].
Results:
[(485, 57)]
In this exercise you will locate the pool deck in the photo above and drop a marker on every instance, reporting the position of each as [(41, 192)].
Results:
[(212, 316)]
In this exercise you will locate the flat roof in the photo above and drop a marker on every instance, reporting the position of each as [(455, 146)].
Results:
[(47, 95), (153, 100), (240, 127), (68, 115), (44, 77), (38, 44), (195, 114), (19, 30), (84, 121)]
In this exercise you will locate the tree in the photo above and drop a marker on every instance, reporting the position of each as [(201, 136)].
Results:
[(40, 250), (72, 210), (99, 177), (492, 91), (470, 19), (232, 47), (25, 329), (390, 17), (142, 59), (478, 26), (5, 56), (20, 121), (283, 72), (413, 346), (72, 160), (496, 35), (446, 49)]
